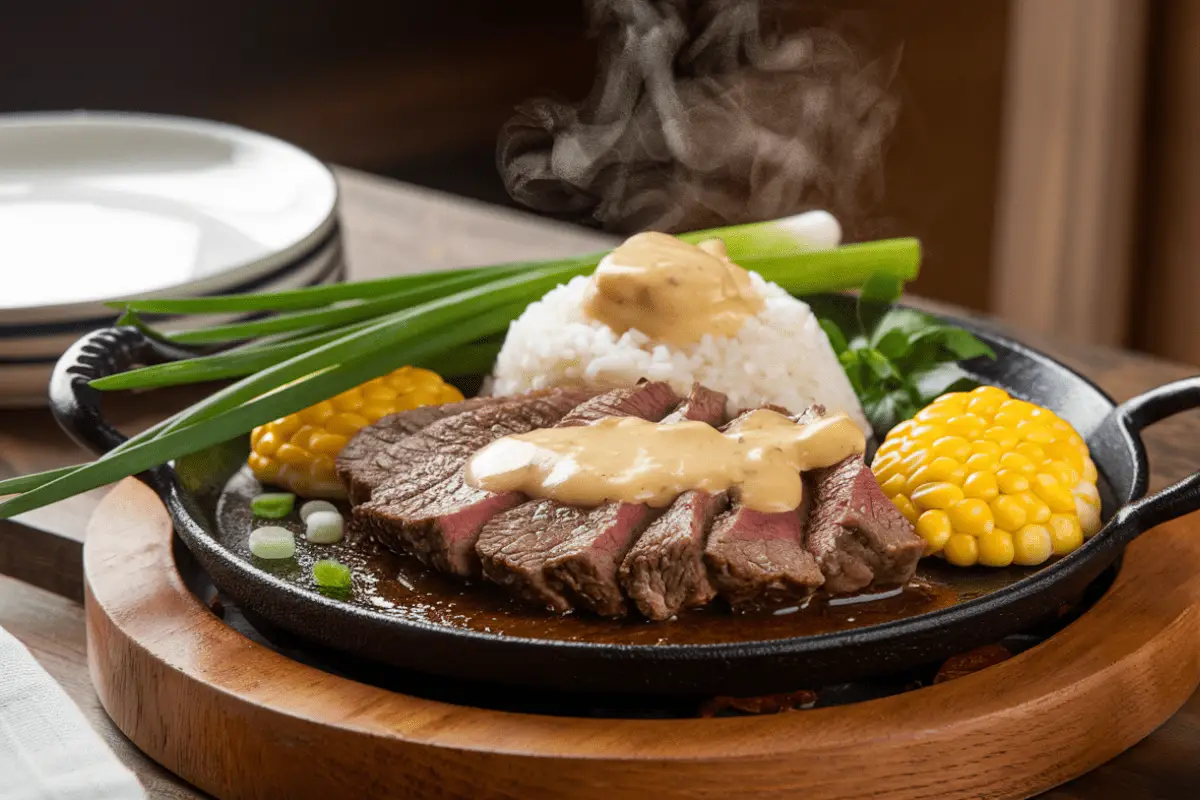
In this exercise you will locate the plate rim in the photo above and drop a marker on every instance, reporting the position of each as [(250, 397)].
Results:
[(174, 124)]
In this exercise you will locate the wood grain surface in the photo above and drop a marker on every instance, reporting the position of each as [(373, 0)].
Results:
[(180, 675), (392, 228)]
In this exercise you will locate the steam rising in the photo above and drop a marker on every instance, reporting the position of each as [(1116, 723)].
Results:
[(699, 119)]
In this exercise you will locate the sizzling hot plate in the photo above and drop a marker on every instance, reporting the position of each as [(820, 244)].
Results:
[(400, 614)]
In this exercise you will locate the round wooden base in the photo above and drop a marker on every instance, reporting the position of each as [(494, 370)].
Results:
[(239, 720)]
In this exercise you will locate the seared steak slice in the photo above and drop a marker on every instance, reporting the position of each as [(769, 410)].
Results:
[(425, 508), (588, 562), (756, 559), (664, 571), (647, 400), (367, 459), (596, 535), (513, 547), (858, 536)]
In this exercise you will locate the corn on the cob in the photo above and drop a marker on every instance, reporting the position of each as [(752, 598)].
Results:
[(987, 479), (297, 452)]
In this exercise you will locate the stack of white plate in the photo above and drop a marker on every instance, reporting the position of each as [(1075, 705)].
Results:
[(100, 207)]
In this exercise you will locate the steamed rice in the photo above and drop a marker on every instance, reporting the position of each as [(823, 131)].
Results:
[(779, 356)]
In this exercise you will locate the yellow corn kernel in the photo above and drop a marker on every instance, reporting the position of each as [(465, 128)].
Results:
[(934, 527), (1004, 437), (986, 446), (1033, 452), (1054, 494), (1036, 510), (939, 470), (893, 485), (996, 548), (1032, 545), (1065, 452), (1089, 471), (961, 550), (1036, 432), (1011, 482), (1066, 534), (1017, 463), (299, 451), (983, 462), (886, 464), (971, 516), (329, 444), (907, 509), (1062, 472), (1009, 512), (937, 495), (995, 480), (984, 407), (955, 448), (968, 426), (981, 485)]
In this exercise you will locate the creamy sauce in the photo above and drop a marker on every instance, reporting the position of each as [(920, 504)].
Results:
[(670, 290), (632, 460)]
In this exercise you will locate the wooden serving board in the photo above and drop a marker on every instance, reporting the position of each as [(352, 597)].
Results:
[(240, 720)]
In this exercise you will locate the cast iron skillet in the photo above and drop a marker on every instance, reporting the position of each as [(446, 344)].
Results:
[(742, 668)]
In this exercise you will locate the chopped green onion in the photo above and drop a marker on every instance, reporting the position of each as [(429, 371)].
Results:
[(443, 320), (273, 505), (330, 574), (313, 506), (324, 527), (272, 542)]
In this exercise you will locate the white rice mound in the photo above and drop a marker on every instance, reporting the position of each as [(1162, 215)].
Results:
[(780, 356)]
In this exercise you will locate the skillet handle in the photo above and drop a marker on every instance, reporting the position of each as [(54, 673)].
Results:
[(1141, 412), (76, 405)]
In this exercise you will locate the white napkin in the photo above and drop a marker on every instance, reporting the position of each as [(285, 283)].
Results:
[(48, 751)]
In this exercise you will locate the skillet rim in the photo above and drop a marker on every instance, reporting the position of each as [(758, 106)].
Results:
[(1107, 538)]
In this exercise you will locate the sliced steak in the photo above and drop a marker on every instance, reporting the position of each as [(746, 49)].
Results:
[(859, 538), (664, 571), (587, 563), (425, 507), (596, 535), (367, 459), (756, 559)]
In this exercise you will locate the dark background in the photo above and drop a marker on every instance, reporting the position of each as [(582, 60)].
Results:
[(418, 91)]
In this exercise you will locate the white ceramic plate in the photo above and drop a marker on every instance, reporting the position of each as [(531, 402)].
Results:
[(46, 342), (26, 362), (101, 206)]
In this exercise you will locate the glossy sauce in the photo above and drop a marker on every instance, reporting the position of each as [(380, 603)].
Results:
[(670, 290), (401, 586), (633, 460)]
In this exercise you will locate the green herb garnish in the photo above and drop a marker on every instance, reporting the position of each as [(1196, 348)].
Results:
[(273, 505), (330, 574), (900, 359)]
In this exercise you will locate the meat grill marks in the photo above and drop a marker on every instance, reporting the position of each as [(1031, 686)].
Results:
[(858, 536), (586, 564), (424, 507), (517, 560), (663, 571), (757, 559), (367, 459), (406, 478)]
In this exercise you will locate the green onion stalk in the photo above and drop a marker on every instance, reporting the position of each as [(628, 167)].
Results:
[(310, 344)]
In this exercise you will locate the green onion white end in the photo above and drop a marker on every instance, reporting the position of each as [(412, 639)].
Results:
[(324, 527), (272, 541), (808, 232), (313, 506)]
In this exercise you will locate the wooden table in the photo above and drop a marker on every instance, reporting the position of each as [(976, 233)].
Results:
[(392, 228)]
